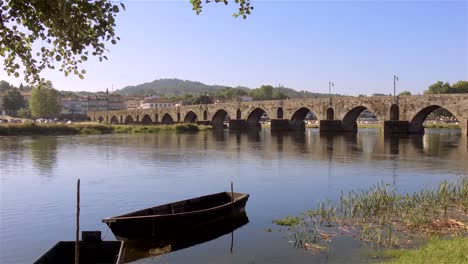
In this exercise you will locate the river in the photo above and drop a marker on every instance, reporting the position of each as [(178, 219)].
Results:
[(284, 173)]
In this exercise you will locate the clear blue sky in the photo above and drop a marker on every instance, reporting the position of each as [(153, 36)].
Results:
[(359, 45)]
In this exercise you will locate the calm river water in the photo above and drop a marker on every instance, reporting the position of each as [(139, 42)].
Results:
[(285, 174)]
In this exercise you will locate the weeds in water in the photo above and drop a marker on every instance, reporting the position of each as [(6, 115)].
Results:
[(380, 217)]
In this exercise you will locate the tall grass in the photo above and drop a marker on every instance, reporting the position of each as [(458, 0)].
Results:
[(380, 216), (74, 129)]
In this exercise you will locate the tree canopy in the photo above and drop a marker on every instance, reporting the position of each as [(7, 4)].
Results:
[(45, 102), (440, 87), (40, 34), (13, 101)]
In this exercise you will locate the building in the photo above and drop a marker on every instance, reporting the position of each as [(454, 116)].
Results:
[(156, 103), (115, 102), (132, 103), (73, 106)]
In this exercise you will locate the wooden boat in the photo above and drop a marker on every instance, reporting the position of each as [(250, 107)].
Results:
[(176, 218), (148, 248), (92, 251)]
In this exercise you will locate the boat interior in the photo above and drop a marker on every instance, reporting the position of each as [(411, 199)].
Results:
[(190, 205)]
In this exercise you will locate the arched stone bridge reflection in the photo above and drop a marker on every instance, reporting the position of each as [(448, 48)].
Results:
[(405, 114)]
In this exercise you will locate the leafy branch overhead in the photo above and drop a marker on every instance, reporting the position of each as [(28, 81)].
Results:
[(244, 8), (40, 34)]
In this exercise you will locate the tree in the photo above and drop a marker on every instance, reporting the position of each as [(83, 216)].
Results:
[(45, 102), (4, 86), (13, 101), (438, 88), (24, 113), (265, 92), (460, 87), (67, 32), (404, 93)]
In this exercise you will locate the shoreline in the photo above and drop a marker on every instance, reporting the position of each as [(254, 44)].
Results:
[(28, 129)]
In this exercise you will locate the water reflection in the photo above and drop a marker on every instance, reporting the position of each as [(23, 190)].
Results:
[(44, 153), (140, 249)]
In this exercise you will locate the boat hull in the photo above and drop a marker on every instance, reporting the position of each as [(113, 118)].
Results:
[(173, 224)]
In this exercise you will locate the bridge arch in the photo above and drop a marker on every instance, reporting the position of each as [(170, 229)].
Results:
[(205, 115), (114, 120), (238, 114), (330, 113), (298, 118), (394, 112), (146, 120), (167, 119), (190, 117), (417, 122), (279, 113), (349, 121), (121, 120), (100, 119), (253, 119), (129, 120), (156, 118), (218, 119)]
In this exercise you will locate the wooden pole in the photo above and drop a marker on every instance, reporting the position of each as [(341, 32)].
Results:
[(77, 241), (232, 196)]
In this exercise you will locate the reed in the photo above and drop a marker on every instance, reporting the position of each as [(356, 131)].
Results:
[(379, 216)]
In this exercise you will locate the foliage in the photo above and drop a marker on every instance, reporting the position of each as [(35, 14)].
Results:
[(67, 31), (45, 102), (267, 92), (4, 86), (13, 101), (244, 8), (460, 87), (454, 251), (24, 112), (91, 128), (445, 88), (380, 217), (404, 93)]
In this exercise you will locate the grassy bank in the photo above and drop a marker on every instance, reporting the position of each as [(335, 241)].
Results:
[(76, 129), (436, 250), (380, 217), (441, 125)]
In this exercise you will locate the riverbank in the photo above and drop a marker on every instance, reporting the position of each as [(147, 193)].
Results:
[(91, 128), (436, 250)]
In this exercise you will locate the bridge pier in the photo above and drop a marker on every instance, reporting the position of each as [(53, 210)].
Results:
[(297, 125), (238, 124), (331, 126), (279, 125), (396, 127), (203, 122)]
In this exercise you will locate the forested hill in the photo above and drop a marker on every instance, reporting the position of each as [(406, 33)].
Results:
[(171, 87)]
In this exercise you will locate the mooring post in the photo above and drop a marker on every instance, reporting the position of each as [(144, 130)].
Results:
[(232, 197), (77, 239)]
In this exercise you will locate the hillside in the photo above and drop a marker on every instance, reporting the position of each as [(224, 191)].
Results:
[(170, 87)]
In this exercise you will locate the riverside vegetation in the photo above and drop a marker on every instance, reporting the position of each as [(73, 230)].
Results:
[(381, 218), (91, 128)]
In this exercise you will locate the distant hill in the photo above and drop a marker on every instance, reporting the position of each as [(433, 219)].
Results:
[(169, 87)]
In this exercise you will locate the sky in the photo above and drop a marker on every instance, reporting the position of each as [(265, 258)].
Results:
[(304, 44)]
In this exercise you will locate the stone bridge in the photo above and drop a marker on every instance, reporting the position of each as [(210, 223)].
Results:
[(403, 114)]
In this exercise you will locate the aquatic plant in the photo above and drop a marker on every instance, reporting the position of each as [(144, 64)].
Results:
[(380, 216)]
